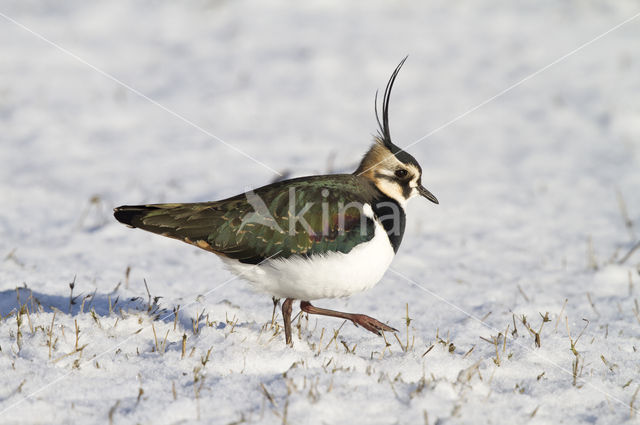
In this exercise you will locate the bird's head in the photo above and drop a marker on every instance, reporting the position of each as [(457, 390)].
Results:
[(393, 171)]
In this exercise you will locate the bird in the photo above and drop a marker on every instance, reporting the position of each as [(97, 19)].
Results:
[(307, 238)]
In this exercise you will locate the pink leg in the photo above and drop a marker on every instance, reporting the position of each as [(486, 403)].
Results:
[(369, 323)]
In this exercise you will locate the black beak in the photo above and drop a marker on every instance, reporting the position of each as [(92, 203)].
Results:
[(424, 192)]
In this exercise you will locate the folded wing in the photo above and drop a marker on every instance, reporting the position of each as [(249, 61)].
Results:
[(307, 216)]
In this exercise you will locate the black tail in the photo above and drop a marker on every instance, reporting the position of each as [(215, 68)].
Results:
[(132, 215), (190, 223)]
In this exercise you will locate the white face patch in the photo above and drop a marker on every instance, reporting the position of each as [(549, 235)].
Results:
[(413, 183), (415, 172), (394, 187), (414, 186), (382, 172)]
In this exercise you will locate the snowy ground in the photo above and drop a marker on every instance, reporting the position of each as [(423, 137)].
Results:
[(538, 195)]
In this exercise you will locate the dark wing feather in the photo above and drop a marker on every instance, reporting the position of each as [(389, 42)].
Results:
[(261, 224)]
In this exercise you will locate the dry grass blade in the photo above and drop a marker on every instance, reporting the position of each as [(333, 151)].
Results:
[(468, 352), (560, 314), (268, 395), (112, 411), (78, 350), (636, 310), (433, 345), (155, 337), (176, 313), (523, 294), (534, 412), (72, 300), (630, 253), (53, 319), (632, 409), (593, 306), (75, 321)]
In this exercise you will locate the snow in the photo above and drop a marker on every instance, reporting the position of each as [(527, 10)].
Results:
[(535, 188)]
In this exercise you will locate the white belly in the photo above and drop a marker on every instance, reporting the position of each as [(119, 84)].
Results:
[(322, 276)]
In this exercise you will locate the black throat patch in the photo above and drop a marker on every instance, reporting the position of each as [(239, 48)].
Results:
[(392, 217)]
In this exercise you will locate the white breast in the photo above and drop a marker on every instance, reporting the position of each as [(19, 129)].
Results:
[(329, 275)]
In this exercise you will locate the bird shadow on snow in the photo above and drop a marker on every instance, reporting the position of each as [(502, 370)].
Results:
[(101, 304)]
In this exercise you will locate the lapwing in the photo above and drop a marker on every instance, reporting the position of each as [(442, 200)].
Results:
[(306, 238)]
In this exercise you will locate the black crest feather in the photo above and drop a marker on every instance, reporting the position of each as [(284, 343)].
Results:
[(383, 131)]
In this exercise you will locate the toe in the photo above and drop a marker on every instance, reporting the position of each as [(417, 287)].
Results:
[(372, 325)]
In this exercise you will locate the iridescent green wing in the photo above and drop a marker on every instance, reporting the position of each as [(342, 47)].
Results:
[(306, 216)]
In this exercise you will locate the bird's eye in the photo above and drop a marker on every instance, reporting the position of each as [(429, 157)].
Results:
[(401, 173)]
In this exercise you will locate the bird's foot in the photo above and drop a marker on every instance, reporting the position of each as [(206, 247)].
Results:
[(367, 322), (371, 324)]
